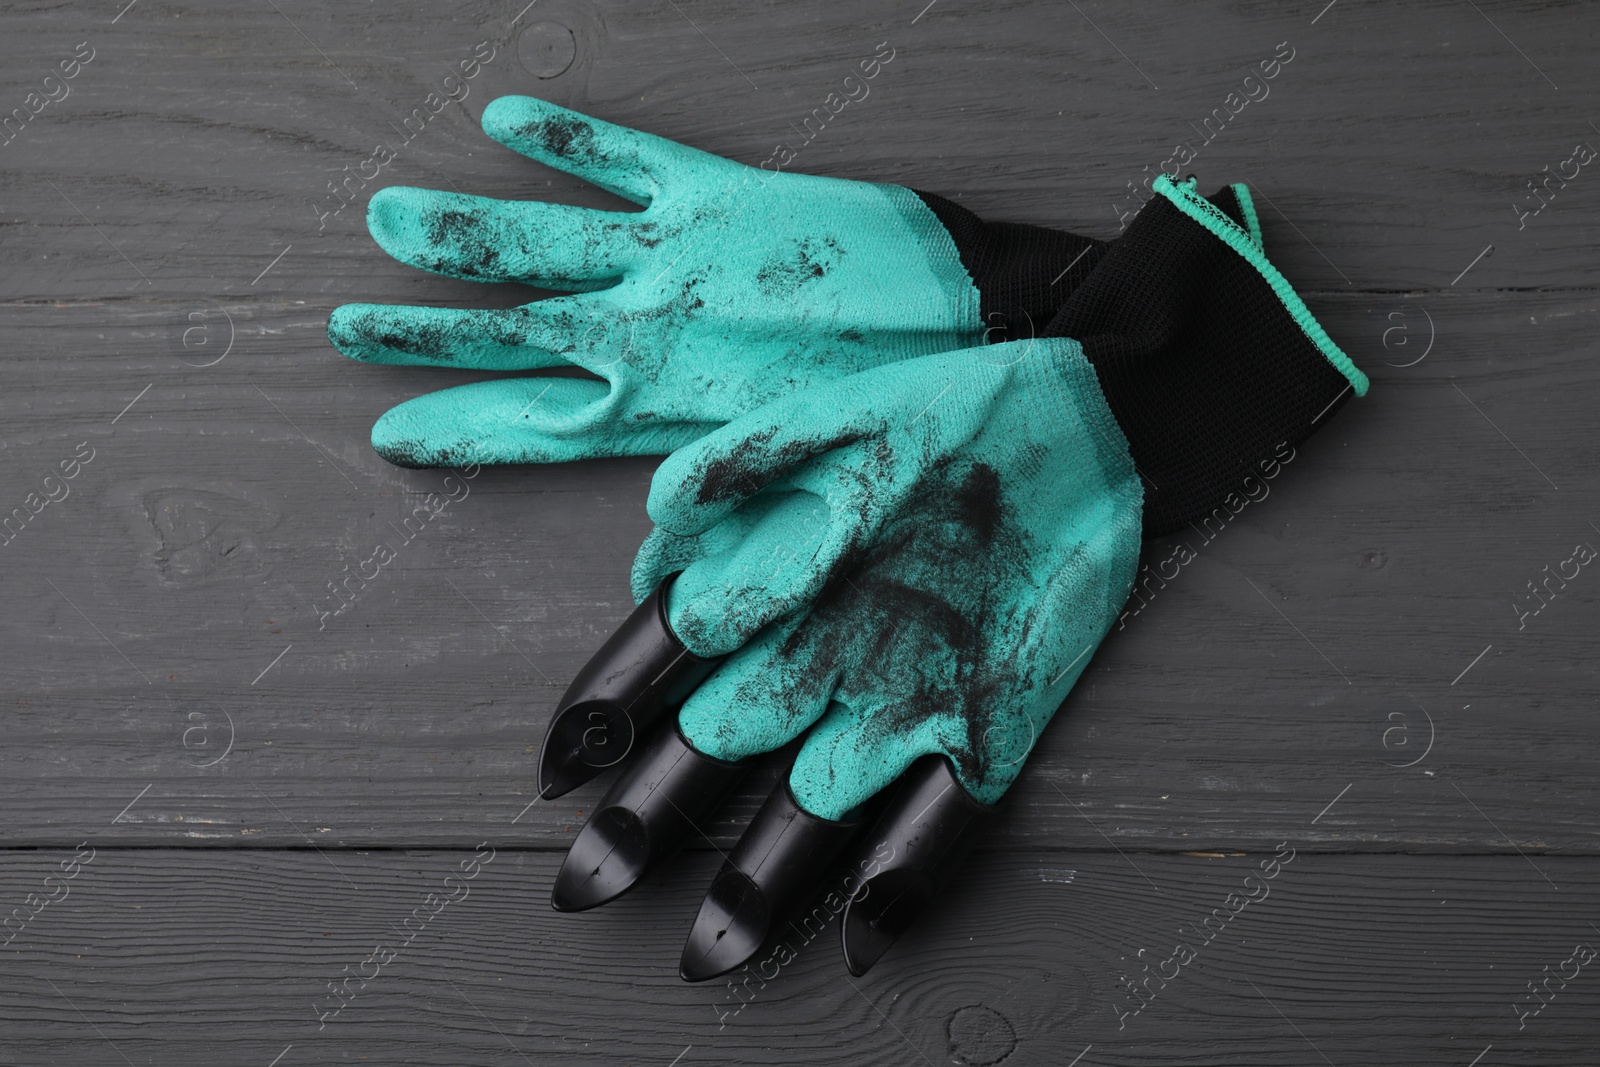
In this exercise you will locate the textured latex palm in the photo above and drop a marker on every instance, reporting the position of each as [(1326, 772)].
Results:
[(918, 559), (733, 286)]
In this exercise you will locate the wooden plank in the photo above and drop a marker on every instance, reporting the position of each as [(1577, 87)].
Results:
[(203, 146), (1355, 667), (226, 956)]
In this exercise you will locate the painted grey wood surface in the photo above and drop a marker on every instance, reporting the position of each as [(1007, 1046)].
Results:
[(183, 957), (1353, 665)]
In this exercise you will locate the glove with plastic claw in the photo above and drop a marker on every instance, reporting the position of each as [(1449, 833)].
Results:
[(911, 566), (733, 286), (707, 377)]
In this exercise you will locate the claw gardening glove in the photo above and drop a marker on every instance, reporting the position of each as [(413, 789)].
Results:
[(911, 566), (734, 286)]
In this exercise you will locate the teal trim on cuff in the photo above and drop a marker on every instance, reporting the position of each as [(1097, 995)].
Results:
[(1186, 200), (1247, 207)]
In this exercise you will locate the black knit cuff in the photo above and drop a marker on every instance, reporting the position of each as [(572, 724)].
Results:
[(1023, 273), (1208, 360)]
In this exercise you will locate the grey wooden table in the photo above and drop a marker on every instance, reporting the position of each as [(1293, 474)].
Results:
[(234, 799)]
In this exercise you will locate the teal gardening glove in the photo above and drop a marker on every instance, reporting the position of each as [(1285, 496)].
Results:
[(909, 568), (734, 286)]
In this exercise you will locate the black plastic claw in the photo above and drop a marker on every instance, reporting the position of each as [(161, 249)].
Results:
[(925, 831), (645, 816), (776, 866), (618, 696)]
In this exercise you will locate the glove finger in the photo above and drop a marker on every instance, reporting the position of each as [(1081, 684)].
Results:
[(776, 553), (752, 568), (553, 246), (890, 710), (546, 333), (869, 739), (618, 698), (856, 751), (778, 865), (701, 485), (776, 524), (683, 772), (762, 697), (634, 165), (776, 687), (654, 806), (521, 420), (923, 836)]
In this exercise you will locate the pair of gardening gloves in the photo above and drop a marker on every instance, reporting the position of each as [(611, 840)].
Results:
[(911, 456)]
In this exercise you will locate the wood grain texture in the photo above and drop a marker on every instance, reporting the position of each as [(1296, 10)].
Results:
[(1396, 139), (1352, 665), (226, 957)]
